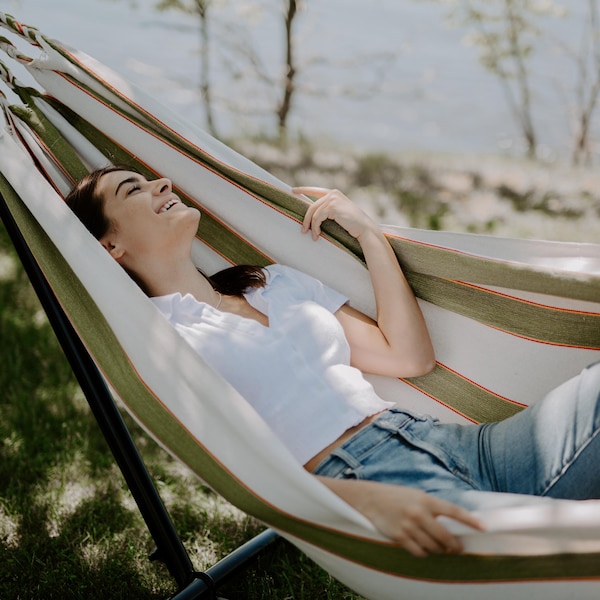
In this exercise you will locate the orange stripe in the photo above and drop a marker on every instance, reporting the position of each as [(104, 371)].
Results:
[(469, 381), (440, 402), (481, 387), (523, 300), (541, 268)]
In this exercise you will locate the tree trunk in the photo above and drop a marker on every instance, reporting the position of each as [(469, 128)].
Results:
[(588, 91), (205, 83), (290, 71), (524, 105)]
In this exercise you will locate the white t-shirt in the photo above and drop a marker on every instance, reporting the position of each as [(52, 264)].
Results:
[(296, 372)]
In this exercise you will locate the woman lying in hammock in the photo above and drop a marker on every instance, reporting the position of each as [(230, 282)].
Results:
[(295, 350)]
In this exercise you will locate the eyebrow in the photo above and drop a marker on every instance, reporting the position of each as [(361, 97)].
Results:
[(132, 179)]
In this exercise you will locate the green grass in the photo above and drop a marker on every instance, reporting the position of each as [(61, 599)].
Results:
[(69, 528)]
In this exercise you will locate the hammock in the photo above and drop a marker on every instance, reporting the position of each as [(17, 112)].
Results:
[(500, 312)]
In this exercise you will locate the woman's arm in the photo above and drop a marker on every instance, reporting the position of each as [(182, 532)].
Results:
[(398, 343), (405, 515)]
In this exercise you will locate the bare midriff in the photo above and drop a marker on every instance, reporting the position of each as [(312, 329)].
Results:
[(316, 460)]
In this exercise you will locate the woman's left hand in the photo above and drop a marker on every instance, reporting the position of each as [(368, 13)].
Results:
[(405, 515), (334, 205)]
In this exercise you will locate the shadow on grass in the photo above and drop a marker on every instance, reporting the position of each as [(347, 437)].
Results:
[(64, 531), (88, 558)]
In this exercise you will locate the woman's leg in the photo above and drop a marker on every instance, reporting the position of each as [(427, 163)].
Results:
[(552, 448)]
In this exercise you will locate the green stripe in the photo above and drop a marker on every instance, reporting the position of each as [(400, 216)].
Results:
[(417, 257), (524, 319), (55, 142), (285, 202), (533, 321), (444, 263), (428, 260), (464, 396)]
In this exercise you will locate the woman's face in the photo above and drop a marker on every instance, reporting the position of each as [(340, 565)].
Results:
[(148, 221)]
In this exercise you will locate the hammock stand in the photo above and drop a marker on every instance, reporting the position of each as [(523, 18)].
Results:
[(475, 291), (168, 546)]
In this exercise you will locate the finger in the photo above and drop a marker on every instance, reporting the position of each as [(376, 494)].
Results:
[(436, 538), (316, 214), (312, 220), (421, 543), (315, 192), (320, 214), (426, 542), (447, 509), (414, 548), (443, 536), (424, 528), (308, 218)]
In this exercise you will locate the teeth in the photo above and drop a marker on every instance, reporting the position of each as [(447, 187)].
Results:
[(168, 205)]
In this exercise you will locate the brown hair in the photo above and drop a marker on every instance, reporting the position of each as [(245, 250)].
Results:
[(85, 201)]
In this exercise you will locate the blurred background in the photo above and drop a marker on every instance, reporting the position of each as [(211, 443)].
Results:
[(380, 74), (484, 110)]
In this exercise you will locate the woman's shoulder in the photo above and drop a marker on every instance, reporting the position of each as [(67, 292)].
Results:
[(277, 270), (296, 284), (281, 277), (174, 306)]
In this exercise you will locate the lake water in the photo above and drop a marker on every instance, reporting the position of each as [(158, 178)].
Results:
[(430, 94)]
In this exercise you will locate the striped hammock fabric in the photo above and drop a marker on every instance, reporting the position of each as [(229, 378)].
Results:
[(510, 320)]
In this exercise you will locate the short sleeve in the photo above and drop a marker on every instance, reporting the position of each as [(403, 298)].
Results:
[(302, 286)]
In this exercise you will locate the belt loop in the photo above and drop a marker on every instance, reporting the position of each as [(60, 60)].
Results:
[(346, 457)]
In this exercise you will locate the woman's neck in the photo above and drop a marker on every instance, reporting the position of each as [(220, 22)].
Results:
[(182, 277)]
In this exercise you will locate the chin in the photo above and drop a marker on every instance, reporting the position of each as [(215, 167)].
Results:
[(192, 217), (192, 213)]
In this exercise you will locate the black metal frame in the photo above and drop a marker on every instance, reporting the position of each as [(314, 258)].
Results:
[(169, 548)]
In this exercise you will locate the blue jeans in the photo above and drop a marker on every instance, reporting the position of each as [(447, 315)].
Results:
[(551, 449)]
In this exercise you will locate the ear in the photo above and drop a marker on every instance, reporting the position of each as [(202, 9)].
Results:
[(114, 249)]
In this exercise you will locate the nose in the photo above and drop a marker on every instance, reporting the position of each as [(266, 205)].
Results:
[(162, 185)]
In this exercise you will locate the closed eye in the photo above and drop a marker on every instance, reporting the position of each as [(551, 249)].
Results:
[(134, 180)]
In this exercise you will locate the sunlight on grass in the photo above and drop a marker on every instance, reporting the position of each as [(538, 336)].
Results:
[(9, 528), (94, 554), (12, 444), (8, 267), (68, 486)]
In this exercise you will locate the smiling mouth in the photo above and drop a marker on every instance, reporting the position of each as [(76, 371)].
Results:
[(170, 204)]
